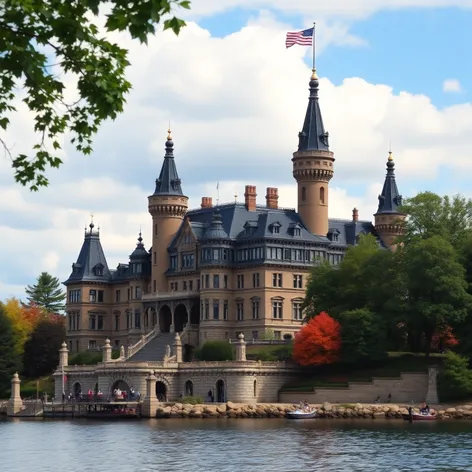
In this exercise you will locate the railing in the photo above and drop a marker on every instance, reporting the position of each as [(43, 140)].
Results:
[(187, 332), (141, 343), (171, 295), (262, 342)]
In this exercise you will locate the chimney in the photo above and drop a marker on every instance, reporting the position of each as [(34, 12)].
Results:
[(272, 197), (355, 214), (250, 197), (207, 202)]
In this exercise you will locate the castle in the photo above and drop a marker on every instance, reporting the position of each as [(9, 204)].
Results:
[(218, 271)]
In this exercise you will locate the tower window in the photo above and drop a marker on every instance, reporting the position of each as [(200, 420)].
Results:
[(322, 195), (303, 194)]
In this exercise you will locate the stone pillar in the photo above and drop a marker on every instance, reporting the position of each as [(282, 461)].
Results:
[(15, 404), (149, 405), (432, 393), (106, 351), (63, 355), (241, 348), (177, 348)]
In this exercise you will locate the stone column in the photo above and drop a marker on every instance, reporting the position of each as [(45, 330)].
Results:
[(63, 355), (241, 349), (177, 348), (149, 405), (432, 393), (15, 404), (106, 351)]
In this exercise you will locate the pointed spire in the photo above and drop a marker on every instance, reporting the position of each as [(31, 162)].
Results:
[(216, 229), (168, 182), (140, 251), (313, 136), (390, 199)]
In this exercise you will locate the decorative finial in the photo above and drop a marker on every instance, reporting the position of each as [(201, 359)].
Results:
[(169, 135), (314, 75), (235, 197), (140, 239), (390, 156)]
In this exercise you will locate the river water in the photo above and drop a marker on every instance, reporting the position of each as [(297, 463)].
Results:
[(239, 445)]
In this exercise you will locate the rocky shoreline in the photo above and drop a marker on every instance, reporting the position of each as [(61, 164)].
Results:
[(279, 410)]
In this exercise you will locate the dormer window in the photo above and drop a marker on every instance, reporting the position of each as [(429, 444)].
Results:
[(275, 227), (296, 229), (250, 227), (98, 269), (333, 235)]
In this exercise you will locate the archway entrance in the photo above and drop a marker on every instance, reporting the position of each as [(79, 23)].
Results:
[(165, 319), (77, 389), (161, 391), (187, 352), (120, 385), (195, 314), (189, 388), (180, 318), (220, 391)]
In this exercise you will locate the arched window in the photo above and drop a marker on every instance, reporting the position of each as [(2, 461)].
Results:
[(303, 194), (322, 195)]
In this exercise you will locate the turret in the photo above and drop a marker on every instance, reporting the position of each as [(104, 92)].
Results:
[(168, 206), (389, 220), (313, 166)]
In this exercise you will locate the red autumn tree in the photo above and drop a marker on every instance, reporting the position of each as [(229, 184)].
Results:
[(444, 339), (318, 342)]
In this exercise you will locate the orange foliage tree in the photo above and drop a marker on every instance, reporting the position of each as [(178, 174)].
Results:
[(318, 342), (444, 339)]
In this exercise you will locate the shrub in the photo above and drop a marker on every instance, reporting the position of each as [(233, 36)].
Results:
[(215, 351), (192, 400), (288, 336), (455, 382), (85, 358)]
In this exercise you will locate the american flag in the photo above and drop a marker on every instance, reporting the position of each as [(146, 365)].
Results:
[(303, 38)]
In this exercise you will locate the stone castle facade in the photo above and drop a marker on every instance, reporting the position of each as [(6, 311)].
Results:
[(221, 270)]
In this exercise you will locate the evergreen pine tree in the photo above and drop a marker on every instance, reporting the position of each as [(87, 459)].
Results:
[(9, 359), (46, 293)]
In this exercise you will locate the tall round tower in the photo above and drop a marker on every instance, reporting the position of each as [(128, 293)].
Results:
[(313, 166), (389, 220), (168, 206)]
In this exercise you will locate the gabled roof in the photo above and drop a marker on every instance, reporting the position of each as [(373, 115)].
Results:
[(91, 265), (390, 199), (348, 231)]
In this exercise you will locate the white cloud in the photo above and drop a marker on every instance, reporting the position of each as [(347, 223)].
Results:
[(452, 86), (236, 105)]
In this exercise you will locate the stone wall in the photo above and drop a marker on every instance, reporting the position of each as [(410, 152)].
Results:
[(407, 388)]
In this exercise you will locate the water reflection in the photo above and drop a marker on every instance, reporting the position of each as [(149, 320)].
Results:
[(234, 446)]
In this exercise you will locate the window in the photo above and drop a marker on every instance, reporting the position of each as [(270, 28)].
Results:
[(255, 335), (137, 268), (216, 310), (277, 335), (216, 281), (173, 262), (190, 285), (277, 280), (240, 310), (225, 310), (225, 281), (74, 296), (117, 343), (187, 239), (137, 291), (240, 281), (255, 309), (322, 195), (297, 231), (93, 296), (255, 279), (129, 294), (99, 269), (100, 296), (128, 319), (188, 260), (297, 311), (297, 281), (117, 322), (276, 229), (184, 288), (118, 296), (216, 254), (303, 194), (137, 319), (100, 322), (207, 309), (207, 281), (92, 344), (225, 254), (92, 322), (277, 309)]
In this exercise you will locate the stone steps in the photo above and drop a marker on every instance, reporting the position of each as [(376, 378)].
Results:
[(155, 349)]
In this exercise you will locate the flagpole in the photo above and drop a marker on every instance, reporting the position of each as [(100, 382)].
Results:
[(217, 193), (63, 388), (313, 47)]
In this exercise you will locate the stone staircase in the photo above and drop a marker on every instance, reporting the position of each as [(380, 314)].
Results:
[(155, 349)]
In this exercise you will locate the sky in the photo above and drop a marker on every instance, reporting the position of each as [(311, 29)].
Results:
[(393, 73)]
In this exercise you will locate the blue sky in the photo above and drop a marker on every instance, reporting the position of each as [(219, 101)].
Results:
[(236, 99)]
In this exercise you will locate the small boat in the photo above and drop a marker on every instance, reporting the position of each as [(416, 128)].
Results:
[(419, 416), (301, 414)]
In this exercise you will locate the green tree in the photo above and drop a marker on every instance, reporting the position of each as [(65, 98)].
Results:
[(455, 381), (215, 351), (41, 352), (363, 339), (436, 287), (9, 359), (46, 293), (41, 40)]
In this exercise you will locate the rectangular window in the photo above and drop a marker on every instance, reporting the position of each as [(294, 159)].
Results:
[(216, 310), (277, 335), (297, 281), (207, 309), (216, 281), (100, 322), (117, 322), (190, 285), (129, 294), (184, 285), (188, 260), (138, 293), (240, 281), (255, 279), (240, 311), (128, 320), (207, 281), (93, 296), (92, 322), (225, 310), (276, 280), (255, 309), (92, 344), (137, 319), (118, 296), (277, 309), (216, 254), (255, 335), (69, 316), (297, 311), (100, 296), (225, 254), (173, 262), (74, 296), (117, 343), (198, 284), (225, 281)]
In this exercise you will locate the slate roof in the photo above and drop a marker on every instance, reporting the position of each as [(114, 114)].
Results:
[(348, 231), (168, 182), (91, 265), (140, 252), (313, 136), (390, 199)]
